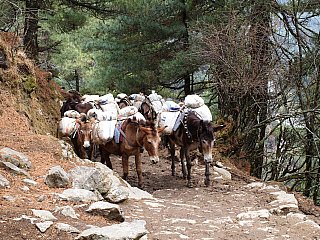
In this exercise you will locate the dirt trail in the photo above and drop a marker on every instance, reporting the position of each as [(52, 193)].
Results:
[(178, 212)]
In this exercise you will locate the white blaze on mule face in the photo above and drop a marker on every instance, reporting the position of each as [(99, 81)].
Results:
[(86, 144), (207, 151)]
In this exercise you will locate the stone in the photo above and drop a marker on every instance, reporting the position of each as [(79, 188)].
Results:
[(14, 169), (43, 214), (57, 178), (42, 198), (117, 194), (30, 182), (263, 213), (107, 210), (9, 198), (89, 178), (294, 218), (66, 228), (23, 159), (223, 172), (8, 158), (4, 182), (81, 195), (124, 231), (66, 211), (43, 226)]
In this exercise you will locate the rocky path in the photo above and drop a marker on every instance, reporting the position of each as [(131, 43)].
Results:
[(240, 208)]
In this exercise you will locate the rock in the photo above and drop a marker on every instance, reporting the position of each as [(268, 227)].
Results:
[(57, 178), (294, 218), (263, 213), (43, 226), (223, 172), (124, 231), (284, 203), (30, 182), (66, 228), (27, 218), (43, 214), (89, 178), (4, 182), (42, 198), (81, 195), (8, 158), (66, 211), (308, 224), (25, 188), (8, 198), (107, 210), (23, 159), (14, 169), (117, 194)]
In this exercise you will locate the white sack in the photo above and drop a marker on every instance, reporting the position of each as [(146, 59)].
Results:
[(137, 104), (155, 97), (168, 119), (128, 111), (138, 116), (170, 106), (67, 126), (90, 98), (193, 101), (157, 106), (108, 98), (203, 112), (121, 95), (139, 97), (103, 131), (111, 107), (72, 114), (99, 115)]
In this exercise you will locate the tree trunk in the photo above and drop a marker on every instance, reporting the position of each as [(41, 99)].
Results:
[(30, 38)]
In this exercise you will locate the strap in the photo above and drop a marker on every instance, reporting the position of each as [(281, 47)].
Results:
[(124, 135)]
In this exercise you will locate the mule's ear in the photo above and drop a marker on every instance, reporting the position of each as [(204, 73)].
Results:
[(161, 129), (92, 120), (79, 121), (217, 128), (147, 130)]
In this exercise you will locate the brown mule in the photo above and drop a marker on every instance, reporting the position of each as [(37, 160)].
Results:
[(192, 134), (135, 136)]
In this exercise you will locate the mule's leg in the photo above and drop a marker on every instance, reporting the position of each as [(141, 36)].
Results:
[(125, 166), (105, 157), (183, 165), (172, 153), (139, 169), (187, 155), (207, 181)]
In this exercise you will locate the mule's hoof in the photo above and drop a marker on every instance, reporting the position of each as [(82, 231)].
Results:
[(190, 185), (207, 183)]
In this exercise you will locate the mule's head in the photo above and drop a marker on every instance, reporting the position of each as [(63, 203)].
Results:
[(151, 142), (85, 132), (207, 138)]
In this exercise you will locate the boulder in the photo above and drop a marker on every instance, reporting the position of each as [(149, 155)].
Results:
[(24, 161), (124, 231), (89, 178), (43, 214), (57, 178), (66, 228), (4, 182), (66, 211), (107, 210), (43, 226), (81, 195), (14, 169)]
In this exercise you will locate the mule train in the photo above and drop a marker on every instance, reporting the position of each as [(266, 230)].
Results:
[(128, 124)]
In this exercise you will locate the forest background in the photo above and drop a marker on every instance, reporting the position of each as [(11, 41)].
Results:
[(256, 63)]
